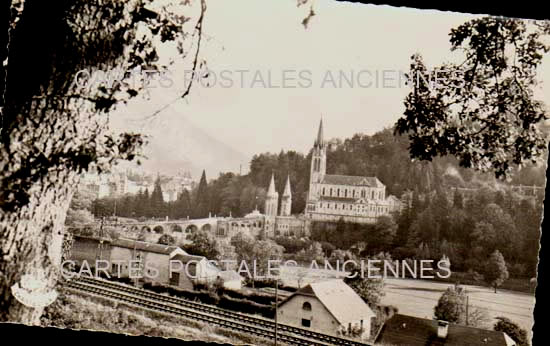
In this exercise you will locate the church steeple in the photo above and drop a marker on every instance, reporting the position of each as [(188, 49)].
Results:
[(320, 140), (271, 190), (319, 155), (272, 199), (318, 165), (286, 201), (287, 191)]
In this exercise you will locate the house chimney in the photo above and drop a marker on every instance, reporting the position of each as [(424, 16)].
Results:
[(442, 329)]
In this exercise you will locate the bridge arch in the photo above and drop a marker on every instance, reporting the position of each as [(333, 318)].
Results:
[(206, 227), (158, 229), (146, 229), (191, 228), (176, 228)]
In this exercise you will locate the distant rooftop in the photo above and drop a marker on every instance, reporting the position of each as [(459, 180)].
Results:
[(334, 179), (413, 331)]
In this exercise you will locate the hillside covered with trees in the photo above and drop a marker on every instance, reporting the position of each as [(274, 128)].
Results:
[(383, 155), (450, 210)]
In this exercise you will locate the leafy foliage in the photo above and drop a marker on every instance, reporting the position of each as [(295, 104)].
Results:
[(252, 251), (495, 271), (202, 199), (313, 252), (482, 110), (370, 289), (167, 239), (49, 122), (202, 244), (519, 335), (451, 307)]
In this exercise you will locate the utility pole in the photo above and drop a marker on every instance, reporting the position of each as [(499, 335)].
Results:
[(467, 303), (135, 256), (100, 242), (276, 306)]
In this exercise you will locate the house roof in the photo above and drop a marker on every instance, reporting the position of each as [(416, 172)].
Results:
[(413, 331), (185, 257), (144, 246), (339, 299), (334, 179)]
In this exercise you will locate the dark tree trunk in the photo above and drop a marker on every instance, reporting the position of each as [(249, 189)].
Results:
[(31, 241)]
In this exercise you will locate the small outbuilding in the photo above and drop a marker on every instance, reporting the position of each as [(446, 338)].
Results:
[(330, 307)]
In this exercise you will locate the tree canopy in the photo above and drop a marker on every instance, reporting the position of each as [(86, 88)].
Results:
[(483, 110), (53, 129)]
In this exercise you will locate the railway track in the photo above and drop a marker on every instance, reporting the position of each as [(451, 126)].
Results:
[(206, 313)]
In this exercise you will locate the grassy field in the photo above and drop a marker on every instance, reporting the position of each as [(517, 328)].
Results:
[(419, 297)]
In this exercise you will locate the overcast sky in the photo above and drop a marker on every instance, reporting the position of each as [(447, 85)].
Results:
[(267, 37)]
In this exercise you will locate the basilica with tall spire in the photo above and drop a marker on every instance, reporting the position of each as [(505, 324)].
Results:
[(330, 198), (333, 197)]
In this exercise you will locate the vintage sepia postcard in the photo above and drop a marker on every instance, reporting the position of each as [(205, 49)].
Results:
[(293, 172)]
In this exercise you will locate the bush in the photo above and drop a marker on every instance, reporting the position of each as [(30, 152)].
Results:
[(264, 299), (292, 245), (246, 306), (451, 306), (269, 284), (517, 334), (239, 302)]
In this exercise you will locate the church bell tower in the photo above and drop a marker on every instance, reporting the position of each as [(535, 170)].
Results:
[(318, 163)]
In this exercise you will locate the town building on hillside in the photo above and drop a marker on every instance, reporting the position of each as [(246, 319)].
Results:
[(352, 198), (116, 184), (413, 331), (329, 307)]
